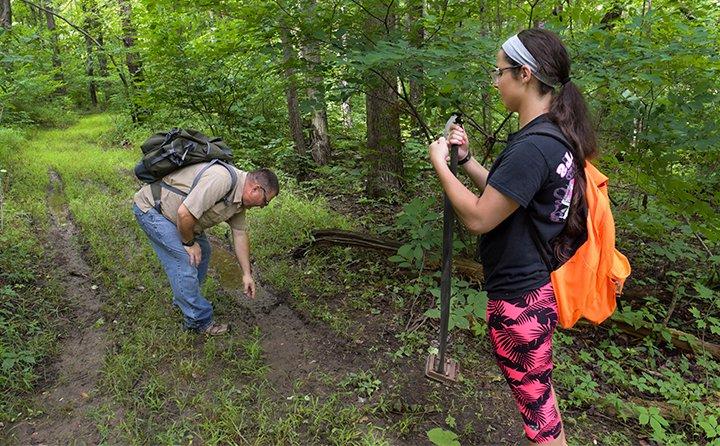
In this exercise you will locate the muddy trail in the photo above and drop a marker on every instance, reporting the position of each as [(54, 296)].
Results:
[(300, 349), (295, 347), (69, 393)]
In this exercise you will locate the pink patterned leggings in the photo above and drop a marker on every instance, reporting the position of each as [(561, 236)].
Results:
[(521, 333)]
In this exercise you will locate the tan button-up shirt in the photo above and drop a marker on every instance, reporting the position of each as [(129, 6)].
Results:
[(202, 202)]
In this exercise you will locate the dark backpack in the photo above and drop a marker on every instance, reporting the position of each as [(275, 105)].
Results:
[(164, 153)]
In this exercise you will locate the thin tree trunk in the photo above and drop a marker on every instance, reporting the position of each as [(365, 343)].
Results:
[(91, 24), (132, 58), (346, 109), (103, 70), (291, 94), (5, 14), (320, 139), (56, 61), (417, 36)]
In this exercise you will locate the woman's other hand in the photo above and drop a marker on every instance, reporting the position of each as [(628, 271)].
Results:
[(458, 137), (439, 151)]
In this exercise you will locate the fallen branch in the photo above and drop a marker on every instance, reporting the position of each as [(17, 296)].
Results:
[(467, 267)]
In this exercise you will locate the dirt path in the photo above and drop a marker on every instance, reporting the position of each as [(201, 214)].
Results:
[(70, 393), (295, 347), (301, 350)]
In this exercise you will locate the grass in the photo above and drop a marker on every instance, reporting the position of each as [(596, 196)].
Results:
[(30, 296)]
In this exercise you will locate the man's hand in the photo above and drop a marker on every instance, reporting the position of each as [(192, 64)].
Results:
[(249, 286), (195, 253)]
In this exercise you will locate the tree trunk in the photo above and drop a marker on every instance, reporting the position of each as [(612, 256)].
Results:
[(346, 108), (384, 146), (132, 58), (291, 94), (5, 14), (417, 37), (103, 70), (91, 26), (320, 142), (320, 139), (56, 61)]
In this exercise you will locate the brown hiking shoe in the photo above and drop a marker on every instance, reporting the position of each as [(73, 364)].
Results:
[(215, 329)]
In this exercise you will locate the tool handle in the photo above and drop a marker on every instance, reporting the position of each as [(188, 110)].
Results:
[(447, 250)]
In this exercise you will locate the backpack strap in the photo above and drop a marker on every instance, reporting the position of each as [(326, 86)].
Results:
[(156, 186), (233, 179), (535, 235), (549, 129), (545, 129)]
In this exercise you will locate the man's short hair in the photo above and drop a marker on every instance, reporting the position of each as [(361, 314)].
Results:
[(267, 179)]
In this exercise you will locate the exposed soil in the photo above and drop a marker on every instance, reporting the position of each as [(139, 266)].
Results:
[(70, 394), (297, 347)]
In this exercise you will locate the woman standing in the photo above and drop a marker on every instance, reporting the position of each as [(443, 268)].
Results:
[(532, 214)]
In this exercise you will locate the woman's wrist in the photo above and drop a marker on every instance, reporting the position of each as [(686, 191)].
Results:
[(436, 161)]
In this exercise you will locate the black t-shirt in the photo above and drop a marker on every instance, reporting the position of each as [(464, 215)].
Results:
[(537, 172)]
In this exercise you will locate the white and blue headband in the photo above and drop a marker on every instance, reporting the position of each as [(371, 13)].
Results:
[(516, 51)]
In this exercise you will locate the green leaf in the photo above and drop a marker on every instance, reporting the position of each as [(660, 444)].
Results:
[(441, 437), (433, 313), (405, 250), (704, 292)]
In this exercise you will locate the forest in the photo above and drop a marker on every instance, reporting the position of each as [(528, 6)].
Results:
[(341, 98)]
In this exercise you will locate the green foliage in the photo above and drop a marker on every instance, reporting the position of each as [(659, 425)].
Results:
[(364, 383), (656, 421), (418, 222), (467, 307), (442, 437), (412, 343)]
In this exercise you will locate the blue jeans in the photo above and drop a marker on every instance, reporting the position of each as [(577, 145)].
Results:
[(184, 278)]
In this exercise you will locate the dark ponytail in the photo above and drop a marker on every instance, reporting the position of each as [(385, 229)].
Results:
[(569, 112)]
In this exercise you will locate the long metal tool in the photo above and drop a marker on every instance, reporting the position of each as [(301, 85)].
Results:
[(439, 367)]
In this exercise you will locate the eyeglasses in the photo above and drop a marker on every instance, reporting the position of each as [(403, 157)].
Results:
[(496, 72), (265, 200)]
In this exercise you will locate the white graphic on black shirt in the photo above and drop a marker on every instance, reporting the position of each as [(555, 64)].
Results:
[(563, 194)]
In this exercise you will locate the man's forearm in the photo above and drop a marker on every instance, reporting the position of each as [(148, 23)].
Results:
[(185, 224), (242, 250)]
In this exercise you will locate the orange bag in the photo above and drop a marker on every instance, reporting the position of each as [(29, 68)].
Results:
[(588, 284)]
